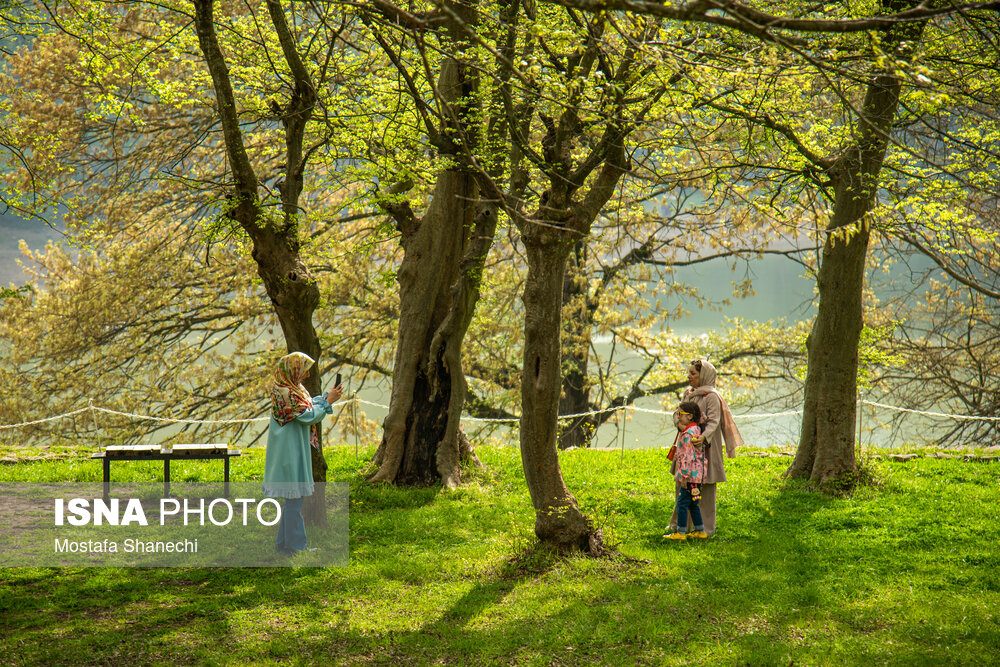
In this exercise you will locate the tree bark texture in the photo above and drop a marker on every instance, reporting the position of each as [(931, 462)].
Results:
[(562, 221), (558, 519), (419, 427), (439, 283), (290, 286), (826, 445)]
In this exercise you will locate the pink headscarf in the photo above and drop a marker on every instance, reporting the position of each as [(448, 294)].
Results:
[(727, 424)]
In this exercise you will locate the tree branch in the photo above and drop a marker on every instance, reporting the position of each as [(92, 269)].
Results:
[(736, 15), (766, 121), (296, 115), (937, 259), (401, 211), (239, 162)]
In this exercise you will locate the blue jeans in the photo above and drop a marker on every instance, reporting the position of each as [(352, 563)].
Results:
[(291, 528), (684, 505)]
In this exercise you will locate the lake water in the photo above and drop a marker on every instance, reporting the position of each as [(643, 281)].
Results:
[(782, 292), (12, 230)]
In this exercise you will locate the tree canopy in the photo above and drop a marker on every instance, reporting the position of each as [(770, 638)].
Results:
[(455, 199)]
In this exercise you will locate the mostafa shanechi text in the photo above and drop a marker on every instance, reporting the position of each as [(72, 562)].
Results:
[(126, 546)]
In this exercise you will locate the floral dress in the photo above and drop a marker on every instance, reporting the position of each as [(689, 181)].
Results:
[(691, 461)]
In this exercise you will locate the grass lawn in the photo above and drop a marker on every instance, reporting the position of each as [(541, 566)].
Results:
[(904, 573)]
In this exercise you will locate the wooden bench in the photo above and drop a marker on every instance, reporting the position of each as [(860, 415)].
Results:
[(155, 453)]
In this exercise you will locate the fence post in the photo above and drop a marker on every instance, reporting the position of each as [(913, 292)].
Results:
[(624, 419), (860, 404), (354, 422), (97, 430)]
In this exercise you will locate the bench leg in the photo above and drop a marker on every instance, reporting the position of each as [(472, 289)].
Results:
[(225, 477), (107, 479), (166, 477)]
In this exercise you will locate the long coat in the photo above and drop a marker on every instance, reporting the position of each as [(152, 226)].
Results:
[(288, 463), (711, 418)]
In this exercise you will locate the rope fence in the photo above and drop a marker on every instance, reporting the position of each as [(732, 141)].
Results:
[(93, 409), (927, 413)]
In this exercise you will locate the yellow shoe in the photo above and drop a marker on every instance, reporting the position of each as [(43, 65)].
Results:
[(675, 536), (700, 534)]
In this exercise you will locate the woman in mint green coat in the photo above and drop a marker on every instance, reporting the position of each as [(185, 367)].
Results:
[(295, 418)]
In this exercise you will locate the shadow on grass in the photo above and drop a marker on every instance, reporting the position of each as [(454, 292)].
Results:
[(185, 615), (128, 616), (811, 568), (785, 574)]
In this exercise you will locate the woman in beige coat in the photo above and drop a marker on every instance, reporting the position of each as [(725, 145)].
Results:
[(717, 425)]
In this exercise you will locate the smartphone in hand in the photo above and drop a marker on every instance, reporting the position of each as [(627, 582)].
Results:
[(337, 382)]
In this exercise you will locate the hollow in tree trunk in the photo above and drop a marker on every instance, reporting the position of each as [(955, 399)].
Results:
[(439, 283), (420, 443)]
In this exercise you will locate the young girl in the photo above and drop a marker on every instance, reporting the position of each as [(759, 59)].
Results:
[(691, 464)]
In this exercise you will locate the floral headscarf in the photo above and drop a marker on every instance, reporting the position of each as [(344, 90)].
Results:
[(289, 398)]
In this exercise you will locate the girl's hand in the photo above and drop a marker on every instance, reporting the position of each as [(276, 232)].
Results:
[(334, 394), (697, 440)]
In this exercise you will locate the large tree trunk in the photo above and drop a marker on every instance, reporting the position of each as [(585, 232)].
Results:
[(558, 520), (548, 238), (826, 445), (420, 433), (439, 286), (291, 287)]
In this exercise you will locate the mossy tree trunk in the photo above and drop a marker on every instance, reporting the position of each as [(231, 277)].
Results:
[(825, 452), (439, 281)]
